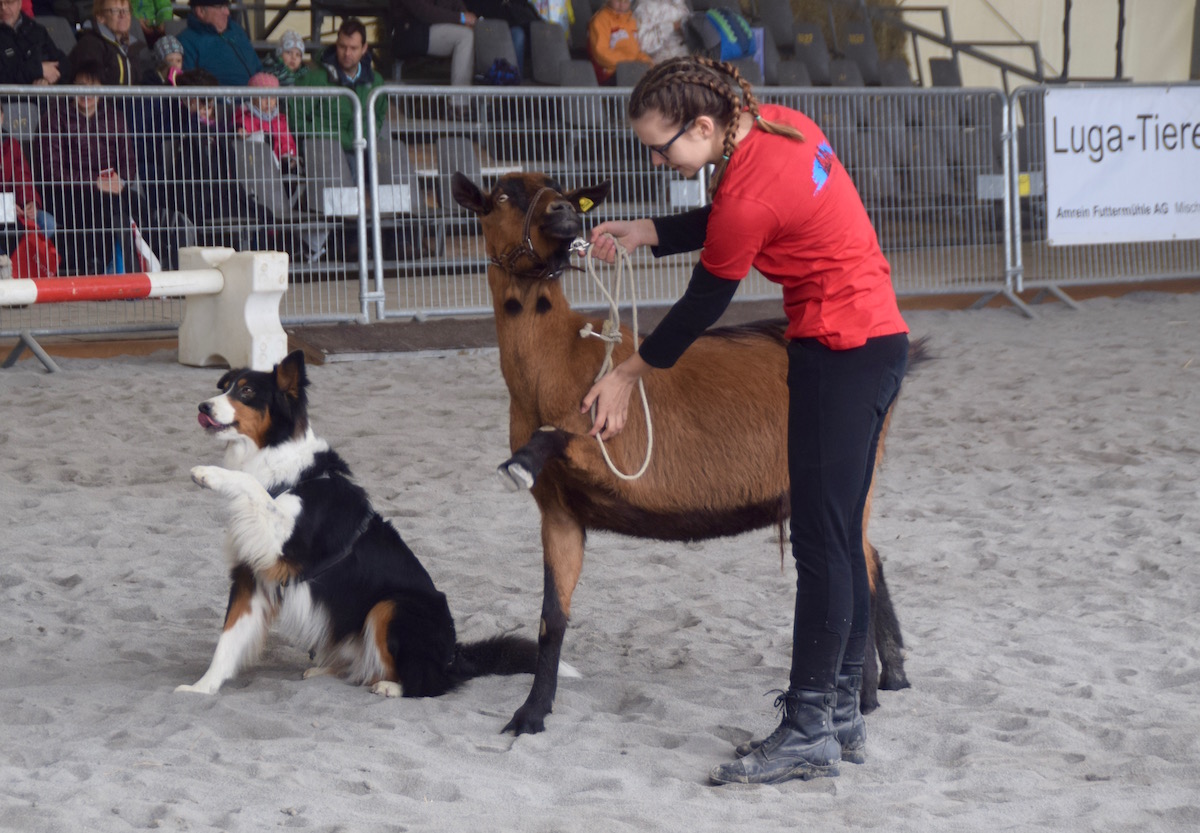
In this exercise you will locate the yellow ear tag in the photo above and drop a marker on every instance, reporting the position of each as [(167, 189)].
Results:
[(585, 205)]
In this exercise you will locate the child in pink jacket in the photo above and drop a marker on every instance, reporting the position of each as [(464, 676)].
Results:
[(262, 115)]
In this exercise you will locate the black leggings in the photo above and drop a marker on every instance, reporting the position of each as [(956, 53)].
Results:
[(837, 403)]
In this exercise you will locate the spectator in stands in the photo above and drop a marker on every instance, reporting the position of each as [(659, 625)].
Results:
[(346, 64), (206, 187), (660, 28), (287, 64), (217, 44), (153, 16), (262, 115), (87, 162), (613, 38), (168, 56), (27, 52), (16, 178), (436, 27), (105, 40), (555, 11)]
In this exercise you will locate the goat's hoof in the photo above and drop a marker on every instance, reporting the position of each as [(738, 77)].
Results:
[(515, 476), (525, 722)]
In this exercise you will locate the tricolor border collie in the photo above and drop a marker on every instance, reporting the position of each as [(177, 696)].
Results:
[(307, 550)]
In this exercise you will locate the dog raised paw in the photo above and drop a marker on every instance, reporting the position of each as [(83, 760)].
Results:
[(207, 477)]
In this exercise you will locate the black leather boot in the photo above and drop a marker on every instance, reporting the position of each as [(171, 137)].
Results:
[(802, 747), (848, 725)]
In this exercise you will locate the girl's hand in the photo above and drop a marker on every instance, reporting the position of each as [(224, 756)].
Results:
[(629, 233), (611, 396)]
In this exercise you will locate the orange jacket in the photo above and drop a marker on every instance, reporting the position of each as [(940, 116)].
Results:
[(612, 38)]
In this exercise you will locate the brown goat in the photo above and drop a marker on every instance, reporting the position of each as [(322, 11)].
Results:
[(720, 422)]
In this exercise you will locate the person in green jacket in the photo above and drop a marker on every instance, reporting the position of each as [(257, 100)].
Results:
[(345, 64), (153, 16)]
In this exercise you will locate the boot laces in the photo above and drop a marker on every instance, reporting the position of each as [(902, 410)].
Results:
[(780, 705)]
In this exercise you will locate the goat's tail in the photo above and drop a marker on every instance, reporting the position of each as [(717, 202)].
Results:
[(505, 654)]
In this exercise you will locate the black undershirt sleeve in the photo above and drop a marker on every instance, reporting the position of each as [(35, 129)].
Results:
[(680, 233), (702, 303)]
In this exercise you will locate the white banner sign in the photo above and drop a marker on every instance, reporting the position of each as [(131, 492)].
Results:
[(1122, 164)]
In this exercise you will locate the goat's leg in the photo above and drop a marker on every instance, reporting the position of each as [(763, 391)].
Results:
[(522, 469), (562, 554), (885, 630)]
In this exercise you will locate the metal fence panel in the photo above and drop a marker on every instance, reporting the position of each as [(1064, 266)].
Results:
[(1040, 265), (928, 164), (433, 257), (117, 182), (929, 167)]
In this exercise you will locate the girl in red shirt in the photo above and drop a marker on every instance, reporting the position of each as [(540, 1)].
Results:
[(782, 203)]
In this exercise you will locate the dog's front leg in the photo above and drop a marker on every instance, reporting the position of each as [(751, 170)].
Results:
[(246, 623), (259, 524)]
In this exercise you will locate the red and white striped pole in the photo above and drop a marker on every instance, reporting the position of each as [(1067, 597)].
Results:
[(231, 315), (25, 291)]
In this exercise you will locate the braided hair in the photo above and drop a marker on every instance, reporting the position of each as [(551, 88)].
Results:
[(682, 89)]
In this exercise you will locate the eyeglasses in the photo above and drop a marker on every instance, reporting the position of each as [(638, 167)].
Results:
[(663, 150)]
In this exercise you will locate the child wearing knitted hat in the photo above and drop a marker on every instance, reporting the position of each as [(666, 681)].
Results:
[(168, 59), (261, 115), (287, 64)]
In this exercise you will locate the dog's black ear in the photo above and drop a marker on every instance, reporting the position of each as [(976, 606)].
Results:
[(223, 382), (290, 377)]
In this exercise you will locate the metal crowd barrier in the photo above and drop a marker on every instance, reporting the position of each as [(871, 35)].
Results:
[(928, 163), (123, 180), (953, 180)]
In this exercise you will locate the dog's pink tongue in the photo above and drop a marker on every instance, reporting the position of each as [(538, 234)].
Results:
[(206, 421)]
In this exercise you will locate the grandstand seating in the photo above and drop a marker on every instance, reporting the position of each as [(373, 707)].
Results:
[(858, 44), (493, 41), (811, 49), (548, 51), (61, 31)]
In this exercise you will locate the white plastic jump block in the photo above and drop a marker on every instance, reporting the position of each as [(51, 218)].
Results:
[(238, 326)]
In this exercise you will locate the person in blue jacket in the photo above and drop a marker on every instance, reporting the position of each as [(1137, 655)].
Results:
[(217, 44)]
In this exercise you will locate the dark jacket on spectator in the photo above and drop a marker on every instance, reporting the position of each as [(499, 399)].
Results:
[(411, 20), (23, 50), (98, 44), (76, 149), (228, 55)]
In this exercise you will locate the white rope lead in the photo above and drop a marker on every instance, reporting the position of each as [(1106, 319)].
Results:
[(611, 336)]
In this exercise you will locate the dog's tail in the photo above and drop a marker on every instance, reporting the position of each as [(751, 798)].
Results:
[(504, 654)]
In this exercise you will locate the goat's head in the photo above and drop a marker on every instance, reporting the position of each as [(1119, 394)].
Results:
[(529, 222)]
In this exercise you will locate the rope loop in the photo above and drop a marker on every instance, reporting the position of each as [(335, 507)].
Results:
[(610, 334)]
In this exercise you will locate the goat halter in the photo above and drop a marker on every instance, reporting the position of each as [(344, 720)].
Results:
[(541, 269)]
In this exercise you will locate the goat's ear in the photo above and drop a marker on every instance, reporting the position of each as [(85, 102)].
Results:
[(590, 196), (289, 374), (467, 194)]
